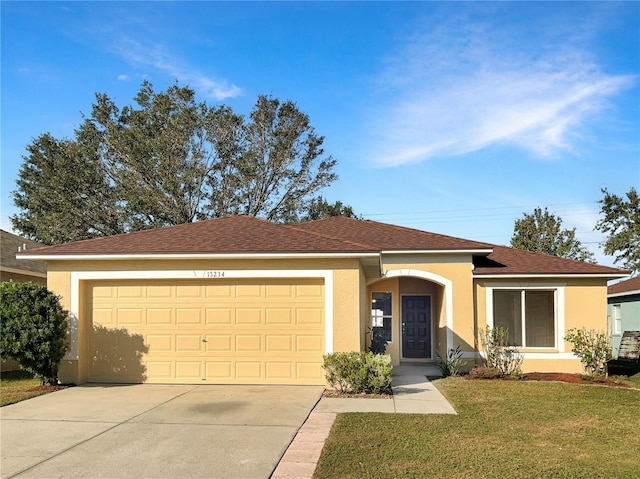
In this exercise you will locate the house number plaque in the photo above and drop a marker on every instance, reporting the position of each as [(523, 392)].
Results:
[(213, 274)]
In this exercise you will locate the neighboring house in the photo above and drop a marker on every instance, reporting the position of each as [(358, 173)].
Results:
[(15, 269), (242, 300), (18, 270), (623, 309)]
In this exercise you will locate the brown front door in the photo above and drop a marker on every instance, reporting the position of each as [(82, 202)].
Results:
[(416, 326)]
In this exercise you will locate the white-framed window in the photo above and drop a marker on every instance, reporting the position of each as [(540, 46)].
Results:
[(530, 315), (617, 319), (381, 313)]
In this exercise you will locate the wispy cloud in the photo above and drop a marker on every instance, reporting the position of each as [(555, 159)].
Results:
[(460, 86), (156, 56), (123, 77)]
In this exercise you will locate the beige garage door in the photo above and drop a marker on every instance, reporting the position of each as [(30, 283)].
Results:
[(213, 331)]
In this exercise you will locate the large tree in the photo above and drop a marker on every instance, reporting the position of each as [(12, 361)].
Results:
[(320, 208), (168, 159), (542, 232), (621, 222)]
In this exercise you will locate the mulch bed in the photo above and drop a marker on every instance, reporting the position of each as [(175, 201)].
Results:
[(332, 393), (562, 377)]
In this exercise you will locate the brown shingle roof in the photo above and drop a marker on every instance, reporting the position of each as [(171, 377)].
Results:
[(626, 286), (9, 245), (248, 235), (386, 237), (508, 261), (229, 235)]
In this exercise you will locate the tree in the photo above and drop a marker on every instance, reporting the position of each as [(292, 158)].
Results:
[(541, 232), (320, 208), (167, 160), (33, 328), (622, 223)]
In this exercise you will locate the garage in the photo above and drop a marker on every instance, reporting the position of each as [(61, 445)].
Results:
[(206, 331)]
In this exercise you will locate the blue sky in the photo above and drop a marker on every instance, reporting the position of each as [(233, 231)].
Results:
[(454, 117)]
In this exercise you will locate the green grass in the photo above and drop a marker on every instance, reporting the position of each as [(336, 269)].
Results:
[(503, 429), (16, 386)]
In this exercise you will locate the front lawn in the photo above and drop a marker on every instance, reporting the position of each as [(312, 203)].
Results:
[(503, 429), (16, 386)]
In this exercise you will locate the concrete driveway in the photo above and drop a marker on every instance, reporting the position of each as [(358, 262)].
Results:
[(153, 431)]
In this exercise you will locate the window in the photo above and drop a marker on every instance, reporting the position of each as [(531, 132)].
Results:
[(529, 315), (381, 318), (617, 319)]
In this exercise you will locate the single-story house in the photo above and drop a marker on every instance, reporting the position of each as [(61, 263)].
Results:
[(623, 309), (19, 270), (243, 300)]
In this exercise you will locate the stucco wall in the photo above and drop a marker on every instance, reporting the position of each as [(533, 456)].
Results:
[(347, 294), (584, 305)]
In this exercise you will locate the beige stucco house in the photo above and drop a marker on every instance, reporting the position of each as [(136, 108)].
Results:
[(242, 300)]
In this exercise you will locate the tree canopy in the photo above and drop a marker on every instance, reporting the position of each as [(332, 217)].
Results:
[(542, 232), (166, 160), (621, 222)]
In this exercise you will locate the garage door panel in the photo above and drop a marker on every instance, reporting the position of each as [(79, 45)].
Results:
[(210, 331), (188, 316), (188, 343), (159, 316), (249, 370), (159, 343), (279, 315), (219, 316), (309, 316), (129, 316), (222, 343), (248, 316), (278, 343)]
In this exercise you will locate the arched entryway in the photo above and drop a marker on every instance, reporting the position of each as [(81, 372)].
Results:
[(413, 309)]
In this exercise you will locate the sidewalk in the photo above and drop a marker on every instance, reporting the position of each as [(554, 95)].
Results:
[(413, 393)]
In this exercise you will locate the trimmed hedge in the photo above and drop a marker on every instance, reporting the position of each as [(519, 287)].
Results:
[(358, 372)]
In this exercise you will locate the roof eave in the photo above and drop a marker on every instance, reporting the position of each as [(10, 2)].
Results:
[(624, 293), (548, 275), (133, 256), (477, 252)]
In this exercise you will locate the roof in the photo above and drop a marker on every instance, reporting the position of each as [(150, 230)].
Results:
[(10, 244), (237, 234), (338, 235), (624, 288), (511, 261), (386, 237)]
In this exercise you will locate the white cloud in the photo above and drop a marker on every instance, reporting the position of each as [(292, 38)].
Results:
[(123, 77), (155, 56), (461, 87)]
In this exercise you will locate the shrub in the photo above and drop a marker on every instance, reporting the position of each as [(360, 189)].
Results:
[(452, 364), (33, 328), (486, 373), (592, 348), (358, 372), (498, 353)]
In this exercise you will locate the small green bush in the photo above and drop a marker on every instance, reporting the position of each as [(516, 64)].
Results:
[(486, 373), (592, 348), (33, 328), (358, 372)]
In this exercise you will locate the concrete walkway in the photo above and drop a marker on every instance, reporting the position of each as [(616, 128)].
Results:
[(413, 393)]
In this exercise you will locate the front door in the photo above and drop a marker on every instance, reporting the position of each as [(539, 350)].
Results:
[(416, 326)]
